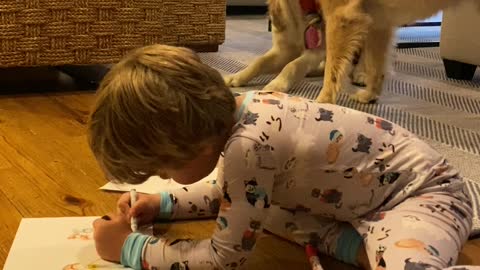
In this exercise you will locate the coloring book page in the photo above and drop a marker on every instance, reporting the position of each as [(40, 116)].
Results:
[(153, 185), (56, 244)]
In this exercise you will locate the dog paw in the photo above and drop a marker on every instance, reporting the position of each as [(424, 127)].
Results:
[(324, 98), (359, 78), (277, 85), (364, 96), (234, 80)]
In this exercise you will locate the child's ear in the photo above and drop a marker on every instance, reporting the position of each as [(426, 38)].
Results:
[(208, 149), (211, 147)]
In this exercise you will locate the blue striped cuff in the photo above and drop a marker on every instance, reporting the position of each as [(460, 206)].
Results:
[(166, 206), (348, 244), (246, 100), (132, 250)]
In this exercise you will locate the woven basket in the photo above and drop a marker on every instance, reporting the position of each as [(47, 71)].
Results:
[(59, 32)]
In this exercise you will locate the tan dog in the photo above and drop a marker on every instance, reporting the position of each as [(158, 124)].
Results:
[(289, 53), (366, 25)]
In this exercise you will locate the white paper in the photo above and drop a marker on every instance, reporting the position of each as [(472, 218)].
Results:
[(55, 243), (153, 185)]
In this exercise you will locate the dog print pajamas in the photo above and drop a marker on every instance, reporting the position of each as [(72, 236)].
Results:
[(318, 174)]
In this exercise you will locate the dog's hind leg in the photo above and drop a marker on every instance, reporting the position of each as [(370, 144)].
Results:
[(375, 53), (345, 32), (359, 75), (271, 62), (319, 70), (309, 61)]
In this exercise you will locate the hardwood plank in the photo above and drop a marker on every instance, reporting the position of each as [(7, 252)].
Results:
[(470, 253), (46, 168), (50, 134), (10, 218)]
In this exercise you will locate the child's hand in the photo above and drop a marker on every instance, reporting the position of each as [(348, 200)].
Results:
[(145, 209), (109, 236)]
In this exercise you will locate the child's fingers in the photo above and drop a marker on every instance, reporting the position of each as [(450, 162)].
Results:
[(123, 204), (123, 208), (98, 222), (141, 211), (138, 209), (103, 220)]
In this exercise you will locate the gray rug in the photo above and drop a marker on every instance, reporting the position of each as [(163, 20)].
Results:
[(417, 95), (418, 34)]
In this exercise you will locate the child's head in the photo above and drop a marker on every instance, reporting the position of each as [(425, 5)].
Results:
[(157, 109)]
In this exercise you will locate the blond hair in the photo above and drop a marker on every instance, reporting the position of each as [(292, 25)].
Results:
[(154, 109)]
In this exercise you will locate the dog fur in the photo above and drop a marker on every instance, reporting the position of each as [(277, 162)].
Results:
[(366, 25), (351, 27), (288, 54)]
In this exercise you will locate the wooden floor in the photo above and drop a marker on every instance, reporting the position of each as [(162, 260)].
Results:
[(47, 170)]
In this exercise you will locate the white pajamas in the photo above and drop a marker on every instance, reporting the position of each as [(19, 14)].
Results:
[(326, 175)]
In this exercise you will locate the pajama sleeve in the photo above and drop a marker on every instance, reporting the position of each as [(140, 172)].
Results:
[(247, 189), (199, 200)]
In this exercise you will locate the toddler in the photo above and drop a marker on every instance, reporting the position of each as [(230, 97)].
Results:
[(355, 186)]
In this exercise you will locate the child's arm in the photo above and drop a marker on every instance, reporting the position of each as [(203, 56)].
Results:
[(239, 221), (198, 200)]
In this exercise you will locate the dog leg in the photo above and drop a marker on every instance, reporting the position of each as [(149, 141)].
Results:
[(272, 61), (319, 70), (345, 33), (375, 53), (359, 75), (296, 70)]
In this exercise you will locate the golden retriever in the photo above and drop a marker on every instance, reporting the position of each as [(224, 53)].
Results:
[(366, 25), (289, 53), (348, 28)]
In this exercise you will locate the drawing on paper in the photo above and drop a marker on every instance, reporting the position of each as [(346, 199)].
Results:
[(81, 234), (78, 266)]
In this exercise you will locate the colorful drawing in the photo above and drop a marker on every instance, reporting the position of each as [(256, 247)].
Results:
[(65, 250), (73, 266), (81, 234), (94, 265)]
